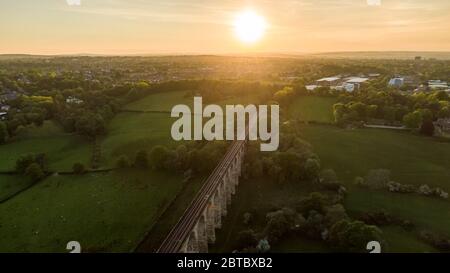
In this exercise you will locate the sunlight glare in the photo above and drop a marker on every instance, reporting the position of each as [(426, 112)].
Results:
[(249, 26)]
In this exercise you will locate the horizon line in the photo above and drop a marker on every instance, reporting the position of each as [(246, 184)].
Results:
[(292, 53)]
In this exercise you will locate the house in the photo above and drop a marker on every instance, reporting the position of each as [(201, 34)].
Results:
[(329, 81), (311, 87), (355, 81), (437, 85), (349, 87), (397, 82), (442, 126), (73, 100), (3, 115), (339, 83), (5, 108)]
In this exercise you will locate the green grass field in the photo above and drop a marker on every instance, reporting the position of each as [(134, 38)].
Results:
[(63, 150), (309, 108), (401, 241), (12, 184), (160, 101), (103, 211), (130, 132), (412, 159)]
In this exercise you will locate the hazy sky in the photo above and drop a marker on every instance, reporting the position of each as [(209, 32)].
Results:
[(206, 26)]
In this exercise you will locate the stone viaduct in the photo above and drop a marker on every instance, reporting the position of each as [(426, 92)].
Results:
[(196, 228)]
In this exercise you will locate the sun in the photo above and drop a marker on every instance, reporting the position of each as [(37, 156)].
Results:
[(249, 26)]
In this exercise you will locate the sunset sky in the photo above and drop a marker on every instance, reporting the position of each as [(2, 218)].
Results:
[(206, 26)]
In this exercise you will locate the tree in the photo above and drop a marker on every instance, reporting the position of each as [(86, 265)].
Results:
[(284, 95), (278, 223), (23, 162), (312, 168), (427, 128), (413, 120), (35, 172), (123, 162), (315, 201), (141, 159), (158, 157), (338, 112), (353, 236), (328, 176), (3, 132), (335, 214), (78, 168)]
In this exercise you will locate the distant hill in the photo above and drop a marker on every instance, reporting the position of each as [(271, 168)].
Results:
[(386, 55), (440, 55)]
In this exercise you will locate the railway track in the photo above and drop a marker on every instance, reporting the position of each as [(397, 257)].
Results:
[(181, 230)]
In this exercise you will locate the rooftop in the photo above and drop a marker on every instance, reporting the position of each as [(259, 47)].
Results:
[(356, 80), (329, 79)]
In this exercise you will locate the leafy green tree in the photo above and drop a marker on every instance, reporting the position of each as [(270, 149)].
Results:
[(35, 172), (23, 162), (278, 223), (315, 201), (158, 157), (413, 120), (78, 168), (312, 168), (427, 128), (353, 235), (123, 162), (141, 160)]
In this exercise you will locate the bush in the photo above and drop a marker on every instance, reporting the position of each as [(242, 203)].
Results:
[(78, 168), (141, 160), (427, 128), (359, 181), (353, 236), (123, 162), (440, 242), (35, 172), (315, 201), (335, 214), (328, 176), (379, 218), (247, 218), (23, 162), (26, 160), (279, 223), (246, 239), (158, 157)]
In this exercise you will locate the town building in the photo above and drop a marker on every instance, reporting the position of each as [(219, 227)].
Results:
[(3, 115), (73, 100), (329, 81), (5, 108), (339, 83), (442, 126), (437, 85), (397, 82)]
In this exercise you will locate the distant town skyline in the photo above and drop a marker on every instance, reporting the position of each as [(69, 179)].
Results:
[(133, 27)]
